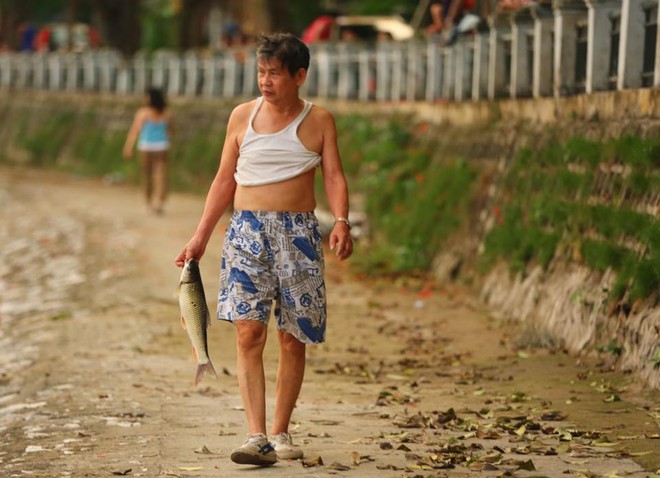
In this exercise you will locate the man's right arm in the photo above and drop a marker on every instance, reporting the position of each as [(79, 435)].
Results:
[(221, 192)]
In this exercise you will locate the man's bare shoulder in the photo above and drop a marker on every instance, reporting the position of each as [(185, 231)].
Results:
[(321, 117), (242, 112)]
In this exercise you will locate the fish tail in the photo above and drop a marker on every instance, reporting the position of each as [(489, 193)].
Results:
[(204, 367)]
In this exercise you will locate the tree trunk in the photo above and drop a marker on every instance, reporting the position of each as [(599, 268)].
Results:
[(280, 15)]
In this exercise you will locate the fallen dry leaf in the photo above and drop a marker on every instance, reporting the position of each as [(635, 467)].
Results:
[(311, 462), (338, 466), (203, 450), (122, 473)]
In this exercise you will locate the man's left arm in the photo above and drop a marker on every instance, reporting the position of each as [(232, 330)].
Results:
[(336, 188)]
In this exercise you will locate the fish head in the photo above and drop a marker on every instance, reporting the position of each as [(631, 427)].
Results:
[(190, 272)]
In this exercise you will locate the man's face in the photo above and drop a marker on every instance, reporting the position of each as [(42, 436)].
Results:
[(275, 81)]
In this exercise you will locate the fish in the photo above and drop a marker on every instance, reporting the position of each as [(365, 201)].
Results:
[(195, 317)]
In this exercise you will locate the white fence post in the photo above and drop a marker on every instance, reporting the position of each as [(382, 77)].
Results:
[(497, 67), (365, 75), (448, 72), (39, 71), (631, 45), (599, 44), (543, 53), (522, 29), (89, 70), (250, 86), (397, 72), (324, 72), (414, 70), (463, 67), (656, 73), (434, 68), (480, 67), (567, 15), (6, 70), (26, 69)]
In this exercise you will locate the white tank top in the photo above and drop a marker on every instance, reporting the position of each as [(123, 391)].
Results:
[(271, 158)]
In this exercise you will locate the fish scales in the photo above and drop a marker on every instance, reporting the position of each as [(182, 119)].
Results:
[(195, 316)]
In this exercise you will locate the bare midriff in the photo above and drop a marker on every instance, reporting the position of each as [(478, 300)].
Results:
[(295, 194)]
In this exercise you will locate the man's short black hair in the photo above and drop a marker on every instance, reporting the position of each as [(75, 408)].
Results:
[(290, 50)]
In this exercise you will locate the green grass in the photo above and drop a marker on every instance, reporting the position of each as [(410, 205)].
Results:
[(415, 200), (549, 204)]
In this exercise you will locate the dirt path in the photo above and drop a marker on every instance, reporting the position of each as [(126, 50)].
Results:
[(413, 382)]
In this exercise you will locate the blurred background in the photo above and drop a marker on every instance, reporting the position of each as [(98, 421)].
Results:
[(133, 25)]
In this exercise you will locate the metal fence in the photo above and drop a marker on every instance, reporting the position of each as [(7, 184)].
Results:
[(575, 46)]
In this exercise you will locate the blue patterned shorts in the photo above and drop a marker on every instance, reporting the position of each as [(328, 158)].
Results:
[(274, 256)]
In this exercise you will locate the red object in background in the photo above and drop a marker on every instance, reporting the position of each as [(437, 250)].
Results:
[(94, 38), (318, 30), (42, 40)]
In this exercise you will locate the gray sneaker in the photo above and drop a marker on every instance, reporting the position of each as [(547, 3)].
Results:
[(285, 448), (256, 450)]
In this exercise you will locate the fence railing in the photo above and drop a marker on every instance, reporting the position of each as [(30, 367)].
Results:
[(575, 46)]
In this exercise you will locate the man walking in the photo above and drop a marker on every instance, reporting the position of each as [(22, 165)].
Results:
[(273, 251)]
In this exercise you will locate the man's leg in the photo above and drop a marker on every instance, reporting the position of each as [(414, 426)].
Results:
[(250, 341), (290, 373)]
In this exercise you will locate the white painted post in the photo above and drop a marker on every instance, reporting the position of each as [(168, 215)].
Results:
[(71, 71), (210, 76), (462, 83), (191, 68), (159, 70), (567, 15), (364, 74), (383, 77), (599, 43), (448, 72), (480, 67), (124, 83), (229, 84), (398, 61), (174, 74), (343, 71), (522, 28), (25, 69), (433, 70), (5, 70), (543, 53), (324, 69), (37, 62), (413, 70), (631, 45), (54, 64), (656, 74), (496, 59), (90, 74), (141, 73), (250, 76)]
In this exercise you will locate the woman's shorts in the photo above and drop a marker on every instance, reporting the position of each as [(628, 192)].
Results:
[(274, 256)]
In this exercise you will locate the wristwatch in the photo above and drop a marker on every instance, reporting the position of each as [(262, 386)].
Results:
[(344, 220)]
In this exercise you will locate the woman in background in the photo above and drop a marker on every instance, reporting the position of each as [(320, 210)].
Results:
[(152, 129)]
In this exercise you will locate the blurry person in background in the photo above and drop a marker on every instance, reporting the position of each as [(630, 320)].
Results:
[(446, 16), (27, 35), (152, 129), (349, 35)]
